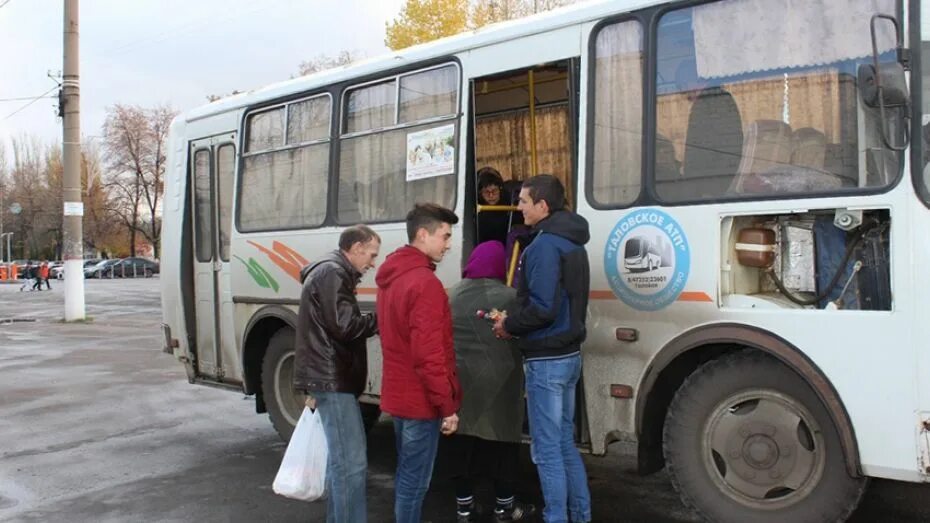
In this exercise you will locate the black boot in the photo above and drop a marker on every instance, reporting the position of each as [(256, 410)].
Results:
[(515, 511), (467, 512)]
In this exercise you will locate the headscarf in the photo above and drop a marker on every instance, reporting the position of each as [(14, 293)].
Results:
[(486, 261)]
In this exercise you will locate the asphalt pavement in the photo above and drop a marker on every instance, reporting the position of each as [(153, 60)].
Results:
[(97, 424)]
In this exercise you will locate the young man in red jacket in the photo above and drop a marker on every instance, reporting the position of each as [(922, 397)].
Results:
[(419, 388)]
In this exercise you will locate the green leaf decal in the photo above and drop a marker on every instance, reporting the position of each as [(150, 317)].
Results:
[(259, 274)]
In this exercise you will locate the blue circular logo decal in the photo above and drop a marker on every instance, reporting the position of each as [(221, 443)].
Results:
[(647, 259)]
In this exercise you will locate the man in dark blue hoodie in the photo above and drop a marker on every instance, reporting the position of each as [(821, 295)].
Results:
[(549, 319)]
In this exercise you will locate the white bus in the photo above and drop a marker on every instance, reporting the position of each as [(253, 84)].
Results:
[(777, 357)]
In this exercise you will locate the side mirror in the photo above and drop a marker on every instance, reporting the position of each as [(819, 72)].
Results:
[(883, 84), (888, 82)]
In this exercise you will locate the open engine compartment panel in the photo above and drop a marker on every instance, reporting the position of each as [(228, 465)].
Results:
[(836, 259)]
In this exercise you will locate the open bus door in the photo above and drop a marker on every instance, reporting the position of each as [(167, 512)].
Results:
[(212, 164)]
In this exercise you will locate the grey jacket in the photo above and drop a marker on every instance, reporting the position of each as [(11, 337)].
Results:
[(490, 370)]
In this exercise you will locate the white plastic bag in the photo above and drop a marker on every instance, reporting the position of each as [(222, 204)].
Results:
[(303, 470)]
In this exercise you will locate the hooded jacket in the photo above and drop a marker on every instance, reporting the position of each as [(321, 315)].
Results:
[(419, 379), (552, 295), (330, 348)]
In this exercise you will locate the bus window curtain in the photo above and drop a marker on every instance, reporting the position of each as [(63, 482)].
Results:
[(812, 32)]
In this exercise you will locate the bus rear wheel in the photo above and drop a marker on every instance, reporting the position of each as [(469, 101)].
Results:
[(284, 403), (747, 439)]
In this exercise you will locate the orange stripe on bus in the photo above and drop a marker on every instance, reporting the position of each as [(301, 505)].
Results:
[(696, 296)]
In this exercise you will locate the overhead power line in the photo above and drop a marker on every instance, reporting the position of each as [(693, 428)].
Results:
[(22, 98), (5, 2), (34, 100)]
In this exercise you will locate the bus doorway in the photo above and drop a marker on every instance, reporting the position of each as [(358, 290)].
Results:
[(524, 122), (212, 164)]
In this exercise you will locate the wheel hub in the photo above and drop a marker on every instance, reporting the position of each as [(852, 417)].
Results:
[(291, 401), (760, 452), (763, 448)]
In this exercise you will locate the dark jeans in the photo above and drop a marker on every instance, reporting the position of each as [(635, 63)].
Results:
[(417, 441), (550, 394), (471, 457), (347, 465)]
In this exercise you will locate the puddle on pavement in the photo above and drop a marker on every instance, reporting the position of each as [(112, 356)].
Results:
[(7, 502)]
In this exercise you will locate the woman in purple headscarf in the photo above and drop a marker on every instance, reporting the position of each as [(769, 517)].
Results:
[(491, 373)]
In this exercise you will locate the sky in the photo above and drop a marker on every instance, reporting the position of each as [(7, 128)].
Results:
[(169, 52)]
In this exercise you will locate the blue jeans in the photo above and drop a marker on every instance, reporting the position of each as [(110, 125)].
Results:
[(347, 465), (417, 440), (550, 396)]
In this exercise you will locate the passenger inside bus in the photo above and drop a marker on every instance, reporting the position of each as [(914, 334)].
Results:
[(492, 225)]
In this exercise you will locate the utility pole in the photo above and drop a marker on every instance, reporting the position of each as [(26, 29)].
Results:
[(73, 232)]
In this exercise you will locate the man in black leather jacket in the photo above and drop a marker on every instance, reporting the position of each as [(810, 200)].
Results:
[(332, 363)]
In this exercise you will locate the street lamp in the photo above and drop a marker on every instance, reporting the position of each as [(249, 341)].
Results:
[(15, 208)]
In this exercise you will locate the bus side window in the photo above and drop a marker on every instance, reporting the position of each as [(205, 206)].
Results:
[(748, 117), (403, 123)]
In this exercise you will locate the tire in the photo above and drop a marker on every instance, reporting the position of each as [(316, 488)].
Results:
[(747, 439), (284, 404), (148, 273)]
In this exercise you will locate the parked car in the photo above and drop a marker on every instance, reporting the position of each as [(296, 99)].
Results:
[(134, 268), (103, 269), (59, 272)]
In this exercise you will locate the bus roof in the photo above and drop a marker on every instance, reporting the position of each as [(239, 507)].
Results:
[(489, 35)]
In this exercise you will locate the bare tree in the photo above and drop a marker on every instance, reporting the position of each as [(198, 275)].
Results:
[(135, 139), (323, 62), (26, 191), (52, 191), (5, 201), (100, 232), (215, 97)]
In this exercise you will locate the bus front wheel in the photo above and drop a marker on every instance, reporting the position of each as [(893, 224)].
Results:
[(283, 402), (747, 439)]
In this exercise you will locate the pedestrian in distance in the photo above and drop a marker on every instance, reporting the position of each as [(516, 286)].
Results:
[(331, 364), (28, 278), (549, 319), (419, 388), (37, 277), (43, 275), (491, 373)]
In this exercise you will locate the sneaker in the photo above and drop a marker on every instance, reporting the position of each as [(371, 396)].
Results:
[(472, 516), (517, 512)]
